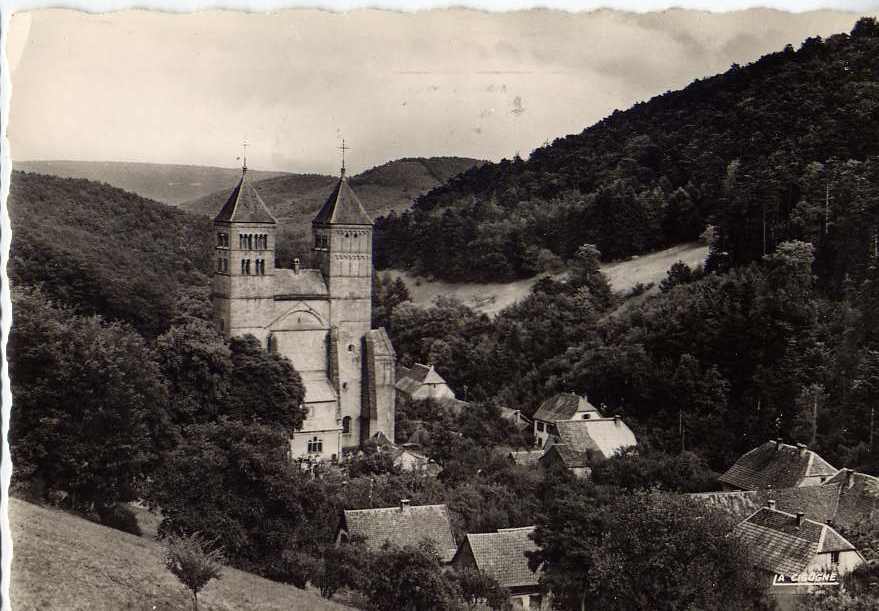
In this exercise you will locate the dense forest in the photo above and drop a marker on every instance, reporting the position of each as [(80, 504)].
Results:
[(781, 149)]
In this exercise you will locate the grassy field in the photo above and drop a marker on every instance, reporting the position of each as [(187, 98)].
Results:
[(64, 562), (493, 297)]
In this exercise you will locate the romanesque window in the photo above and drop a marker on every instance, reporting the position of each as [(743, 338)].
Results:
[(225, 265), (219, 265), (240, 241), (346, 425), (243, 267), (247, 261), (315, 446)]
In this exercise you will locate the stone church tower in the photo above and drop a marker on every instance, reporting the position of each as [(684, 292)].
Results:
[(318, 318)]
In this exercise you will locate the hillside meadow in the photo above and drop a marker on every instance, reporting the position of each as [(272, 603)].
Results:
[(61, 561)]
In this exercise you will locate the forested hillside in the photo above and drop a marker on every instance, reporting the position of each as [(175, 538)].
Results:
[(105, 251), (752, 151), (295, 198)]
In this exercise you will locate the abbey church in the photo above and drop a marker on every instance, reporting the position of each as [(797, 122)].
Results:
[(318, 318)]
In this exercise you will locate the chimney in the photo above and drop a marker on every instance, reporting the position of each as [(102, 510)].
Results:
[(770, 504), (404, 504), (616, 419), (849, 478), (802, 448), (778, 443), (800, 517), (296, 265)]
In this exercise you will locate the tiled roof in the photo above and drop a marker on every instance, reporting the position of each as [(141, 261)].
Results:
[(778, 543), (401, 526), (342, 207), (819, 503), (776, 465), (245, 205), (501, 555), (526, 458), (567, 455), (601, 436), (858, 497), (411, 379), (303, 282), (563, 406)]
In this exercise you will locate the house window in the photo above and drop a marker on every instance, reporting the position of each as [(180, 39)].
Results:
[(315, 446), (586, 416), (346, 425), (540, 427), (834, 557)]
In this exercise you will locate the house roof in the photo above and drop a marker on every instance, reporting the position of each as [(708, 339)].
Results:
[(303, 282), (567, 455), (777, 465), (244, 205), (563, 406), (410, 379), (342, 207), (526, 458), (403, 525), (501, 555), (858, 497), (819, 503), (780, 545), (603, 436)]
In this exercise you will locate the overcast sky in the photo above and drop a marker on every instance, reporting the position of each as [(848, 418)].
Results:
[(142, 86)]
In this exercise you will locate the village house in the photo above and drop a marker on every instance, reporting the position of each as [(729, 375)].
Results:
[(400, 526), (407, 459), (563, 406), (501, 555), (844, 500), (421, 382), (578, 445), (777, 465), (797, 554), (517, 418)]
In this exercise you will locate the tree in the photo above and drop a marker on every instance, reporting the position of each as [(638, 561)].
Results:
[(90, 404), (233, 482), (643, 551), (476, 587), (194, 561), (338, 567), (409, 579), (263, 387)]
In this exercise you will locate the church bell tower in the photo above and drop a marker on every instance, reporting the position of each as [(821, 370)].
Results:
[(243, 283)]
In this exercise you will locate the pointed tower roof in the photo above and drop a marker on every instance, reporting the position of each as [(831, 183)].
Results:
[(245, 205), (342, 207)]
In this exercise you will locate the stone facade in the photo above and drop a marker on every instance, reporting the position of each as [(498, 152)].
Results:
[(320, 319)]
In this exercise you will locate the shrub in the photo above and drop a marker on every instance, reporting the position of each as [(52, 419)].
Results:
[(120, 517)]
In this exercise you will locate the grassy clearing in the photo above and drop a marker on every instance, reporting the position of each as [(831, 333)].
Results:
[(61, 561), (493, 297)]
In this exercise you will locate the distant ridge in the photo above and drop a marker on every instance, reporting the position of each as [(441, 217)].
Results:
[(167, 183)]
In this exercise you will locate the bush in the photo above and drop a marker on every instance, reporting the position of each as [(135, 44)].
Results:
[(121, 517), (194, 561)]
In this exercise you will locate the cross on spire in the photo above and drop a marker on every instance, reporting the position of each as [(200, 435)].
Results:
[(244, 155), (343, 148)]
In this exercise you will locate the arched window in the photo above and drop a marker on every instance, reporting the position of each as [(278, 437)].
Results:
[(315, 446), (240, 240), (346, 425), (243, 266)]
